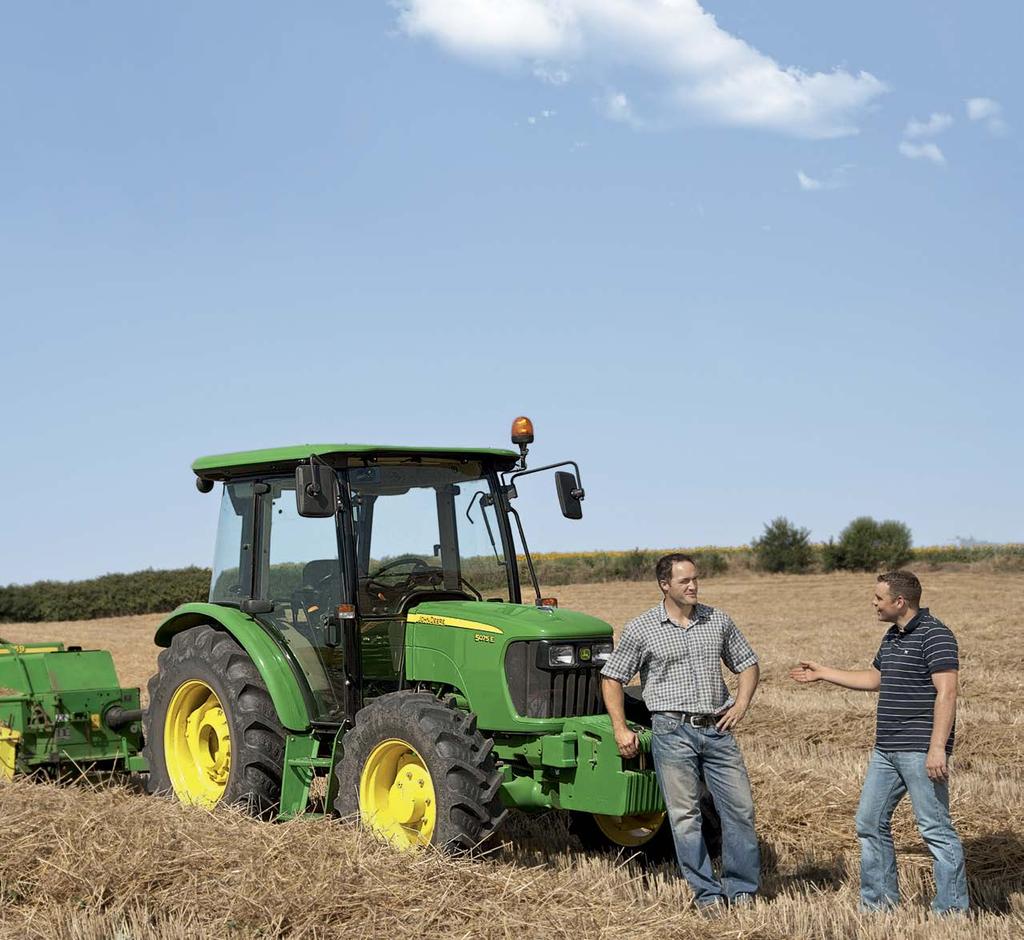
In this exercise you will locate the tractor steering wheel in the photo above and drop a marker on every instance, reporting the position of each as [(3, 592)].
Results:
[(399, 581), (417, 563)]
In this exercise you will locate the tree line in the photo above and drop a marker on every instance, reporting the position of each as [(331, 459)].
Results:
[(783, 547)]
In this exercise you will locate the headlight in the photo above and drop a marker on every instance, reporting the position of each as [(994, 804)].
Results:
[(562, 655), (601, 652)]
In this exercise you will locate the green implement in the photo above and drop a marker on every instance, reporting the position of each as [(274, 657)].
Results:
[(64, 710)]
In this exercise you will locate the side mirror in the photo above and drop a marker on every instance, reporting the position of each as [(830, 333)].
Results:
[(314, 491), (569, 495)]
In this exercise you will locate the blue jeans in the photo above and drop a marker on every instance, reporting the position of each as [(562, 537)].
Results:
[(682, 754), (891, 775)]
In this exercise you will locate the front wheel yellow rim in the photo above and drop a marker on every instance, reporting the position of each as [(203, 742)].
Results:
[(630, 831), (396, 795), (197, 744)]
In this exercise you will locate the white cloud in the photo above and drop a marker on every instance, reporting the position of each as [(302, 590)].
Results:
[(551, 76), (980, 109), (510, 29), (835, 179), (989, 111), (617, 107), (936, 124), (925, 151), (808, 183), (546, 114), (700, 69)]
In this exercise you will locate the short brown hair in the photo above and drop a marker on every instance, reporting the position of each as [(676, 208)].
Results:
[(663, 570), (903, 584)]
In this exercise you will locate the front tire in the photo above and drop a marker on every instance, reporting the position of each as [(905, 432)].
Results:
[(646, 835), (417, 772), (212, 732)]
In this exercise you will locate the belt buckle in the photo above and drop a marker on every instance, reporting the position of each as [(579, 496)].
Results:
[(695, 721)]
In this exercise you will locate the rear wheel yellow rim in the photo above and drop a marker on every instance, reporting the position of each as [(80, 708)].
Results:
[(630, 831), (396, 795), (197, 744)]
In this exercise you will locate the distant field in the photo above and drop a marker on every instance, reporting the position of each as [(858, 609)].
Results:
[(91, 864)]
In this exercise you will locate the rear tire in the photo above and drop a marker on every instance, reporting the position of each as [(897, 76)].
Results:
[(212, 732), (417, 772)]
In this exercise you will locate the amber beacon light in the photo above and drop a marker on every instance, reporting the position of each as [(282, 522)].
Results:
[(522, 430), (522, 434)]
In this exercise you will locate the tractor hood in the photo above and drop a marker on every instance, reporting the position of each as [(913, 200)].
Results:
[(489, 654), (513, 621)]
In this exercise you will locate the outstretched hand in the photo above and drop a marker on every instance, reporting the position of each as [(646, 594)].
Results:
[(807, 671)]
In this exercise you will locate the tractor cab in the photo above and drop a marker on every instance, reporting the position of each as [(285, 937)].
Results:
[(331, 546)]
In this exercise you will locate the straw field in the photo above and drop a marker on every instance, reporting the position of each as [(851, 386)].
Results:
[(98, 863)]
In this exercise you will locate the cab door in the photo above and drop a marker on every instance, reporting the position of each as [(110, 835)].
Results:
[(402, 551), (300, 573)]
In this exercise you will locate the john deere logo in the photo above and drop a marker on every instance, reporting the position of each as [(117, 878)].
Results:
[(585, 654)]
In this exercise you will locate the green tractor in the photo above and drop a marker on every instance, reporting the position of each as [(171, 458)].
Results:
[(366, 623)]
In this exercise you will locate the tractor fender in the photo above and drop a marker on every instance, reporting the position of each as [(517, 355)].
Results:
[(290, 697)]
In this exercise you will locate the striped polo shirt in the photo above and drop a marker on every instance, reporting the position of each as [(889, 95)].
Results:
[(906, 700)]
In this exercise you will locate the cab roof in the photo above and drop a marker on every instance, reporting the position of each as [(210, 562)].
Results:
[(219, 466)]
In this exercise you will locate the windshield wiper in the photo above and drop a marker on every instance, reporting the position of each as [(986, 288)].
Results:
[(485, 500)]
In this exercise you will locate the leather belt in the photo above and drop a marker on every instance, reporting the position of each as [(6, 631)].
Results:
[(697, 720)]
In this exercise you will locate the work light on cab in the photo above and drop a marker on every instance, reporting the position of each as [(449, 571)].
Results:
[(522, 436)]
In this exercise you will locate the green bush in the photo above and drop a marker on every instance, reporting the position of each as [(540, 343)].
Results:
[(590, 567), (710, 563), (112, 595), (867, 545), (1002, 556), (783, 548), (831, 558), (636, 565)]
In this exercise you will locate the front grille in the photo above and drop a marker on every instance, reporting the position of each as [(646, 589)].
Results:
[(550, 693)]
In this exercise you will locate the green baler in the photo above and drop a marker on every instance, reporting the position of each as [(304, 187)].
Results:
[(64, 710)]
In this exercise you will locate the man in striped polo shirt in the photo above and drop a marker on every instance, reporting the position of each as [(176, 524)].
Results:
[(915, 673), (678, 648)]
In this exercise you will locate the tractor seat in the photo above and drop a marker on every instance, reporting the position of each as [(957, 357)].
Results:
[(319, 591)]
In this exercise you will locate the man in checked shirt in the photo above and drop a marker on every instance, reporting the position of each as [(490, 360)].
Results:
[(678, 647)]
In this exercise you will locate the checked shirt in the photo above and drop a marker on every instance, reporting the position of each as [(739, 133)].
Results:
[(680, 667)]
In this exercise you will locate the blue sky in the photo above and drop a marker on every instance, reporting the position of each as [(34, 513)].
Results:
[(737, 259)]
